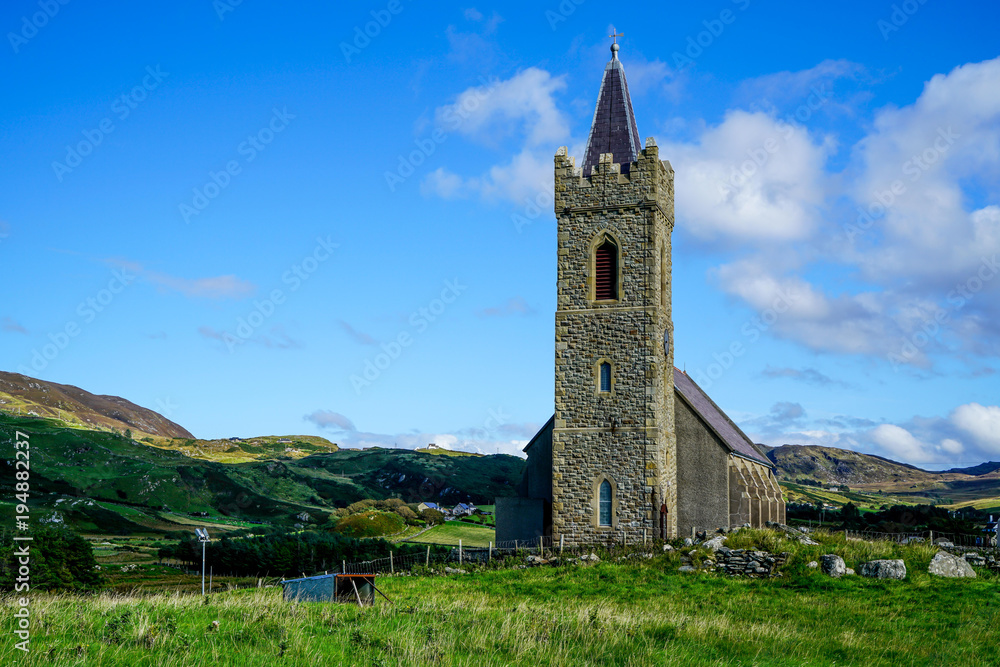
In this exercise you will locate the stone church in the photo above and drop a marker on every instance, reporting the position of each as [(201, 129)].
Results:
[(635, 449)]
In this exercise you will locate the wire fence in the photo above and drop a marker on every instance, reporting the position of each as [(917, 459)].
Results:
[(969, 541)]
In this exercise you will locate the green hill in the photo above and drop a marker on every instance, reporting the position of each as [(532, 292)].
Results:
[(103, 482)]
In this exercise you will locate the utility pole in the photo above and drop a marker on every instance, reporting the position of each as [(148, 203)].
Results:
[(204, 539)]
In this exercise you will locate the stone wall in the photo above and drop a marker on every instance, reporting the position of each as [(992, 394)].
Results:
[(702, 474), (625, 436)]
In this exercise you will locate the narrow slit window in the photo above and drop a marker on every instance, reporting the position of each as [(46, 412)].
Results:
[(605, 377), (606, 271), (604, 518)]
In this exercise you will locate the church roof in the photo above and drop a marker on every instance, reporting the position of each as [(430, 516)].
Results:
[(730, 434), (614, 129)]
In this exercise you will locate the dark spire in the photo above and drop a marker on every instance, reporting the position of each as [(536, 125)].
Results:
[(614, 129)]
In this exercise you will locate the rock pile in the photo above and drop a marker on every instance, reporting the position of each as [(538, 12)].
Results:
[(990, 560), (749, 563)]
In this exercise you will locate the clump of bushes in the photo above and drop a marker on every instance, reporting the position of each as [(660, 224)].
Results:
[(372, 523), (394, 505)]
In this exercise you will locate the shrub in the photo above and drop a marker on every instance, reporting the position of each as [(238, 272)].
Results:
[(360, 506), (370, 524), (407, 514)]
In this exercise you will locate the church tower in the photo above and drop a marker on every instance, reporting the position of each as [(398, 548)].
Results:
[(614, 446)]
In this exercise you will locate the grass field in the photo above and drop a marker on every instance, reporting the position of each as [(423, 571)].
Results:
[(450, 532), (610, 613), (985, 504)]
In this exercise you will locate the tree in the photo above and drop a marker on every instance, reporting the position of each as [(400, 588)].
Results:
[(432, 517), (59, 560)]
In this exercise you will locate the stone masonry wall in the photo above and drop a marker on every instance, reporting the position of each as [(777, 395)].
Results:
[(626, 436)]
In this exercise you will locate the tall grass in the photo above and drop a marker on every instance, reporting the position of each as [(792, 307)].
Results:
[(633, 612)]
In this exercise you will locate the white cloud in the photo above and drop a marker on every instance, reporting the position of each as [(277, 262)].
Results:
[(526, 176), (752, 177), (982, 422), (918, 281), (522, 110), (934, 150), (900, 444), (525, 102)]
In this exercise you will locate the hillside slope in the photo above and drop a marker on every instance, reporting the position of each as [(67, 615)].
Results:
[(26, 396), (829, 466), (103, 482), (839, 466)]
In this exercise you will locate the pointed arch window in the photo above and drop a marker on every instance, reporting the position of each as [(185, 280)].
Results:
[(606, 271), (604, 504), (605, 377)]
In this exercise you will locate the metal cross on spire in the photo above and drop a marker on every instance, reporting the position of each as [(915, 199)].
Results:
[(614, 46)]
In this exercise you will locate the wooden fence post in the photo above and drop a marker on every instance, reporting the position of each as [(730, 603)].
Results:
[(460, 552), (392, 567), (343, 567), (541, 549), (427, 563), (561, 544), (491, 551)]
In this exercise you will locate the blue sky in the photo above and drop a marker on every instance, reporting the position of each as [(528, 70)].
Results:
[(256, 218)]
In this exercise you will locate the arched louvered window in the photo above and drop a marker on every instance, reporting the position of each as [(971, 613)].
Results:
[(605, 377), (604, 517), (606, 271)]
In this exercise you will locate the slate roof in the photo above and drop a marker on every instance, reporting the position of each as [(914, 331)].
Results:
[(541, 433), (614, 129), (712, 414)]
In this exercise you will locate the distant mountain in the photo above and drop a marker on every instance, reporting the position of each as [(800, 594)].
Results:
[(26, 396), (981, 469), (839, 466), (801, 467)]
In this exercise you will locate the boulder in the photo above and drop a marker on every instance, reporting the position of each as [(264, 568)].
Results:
[(850, 570), (667, 547), (884, 569), (808, 541), (688, 542), (833, 565), (686, 568), (945, 565), (716, 542), (812, 565)]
